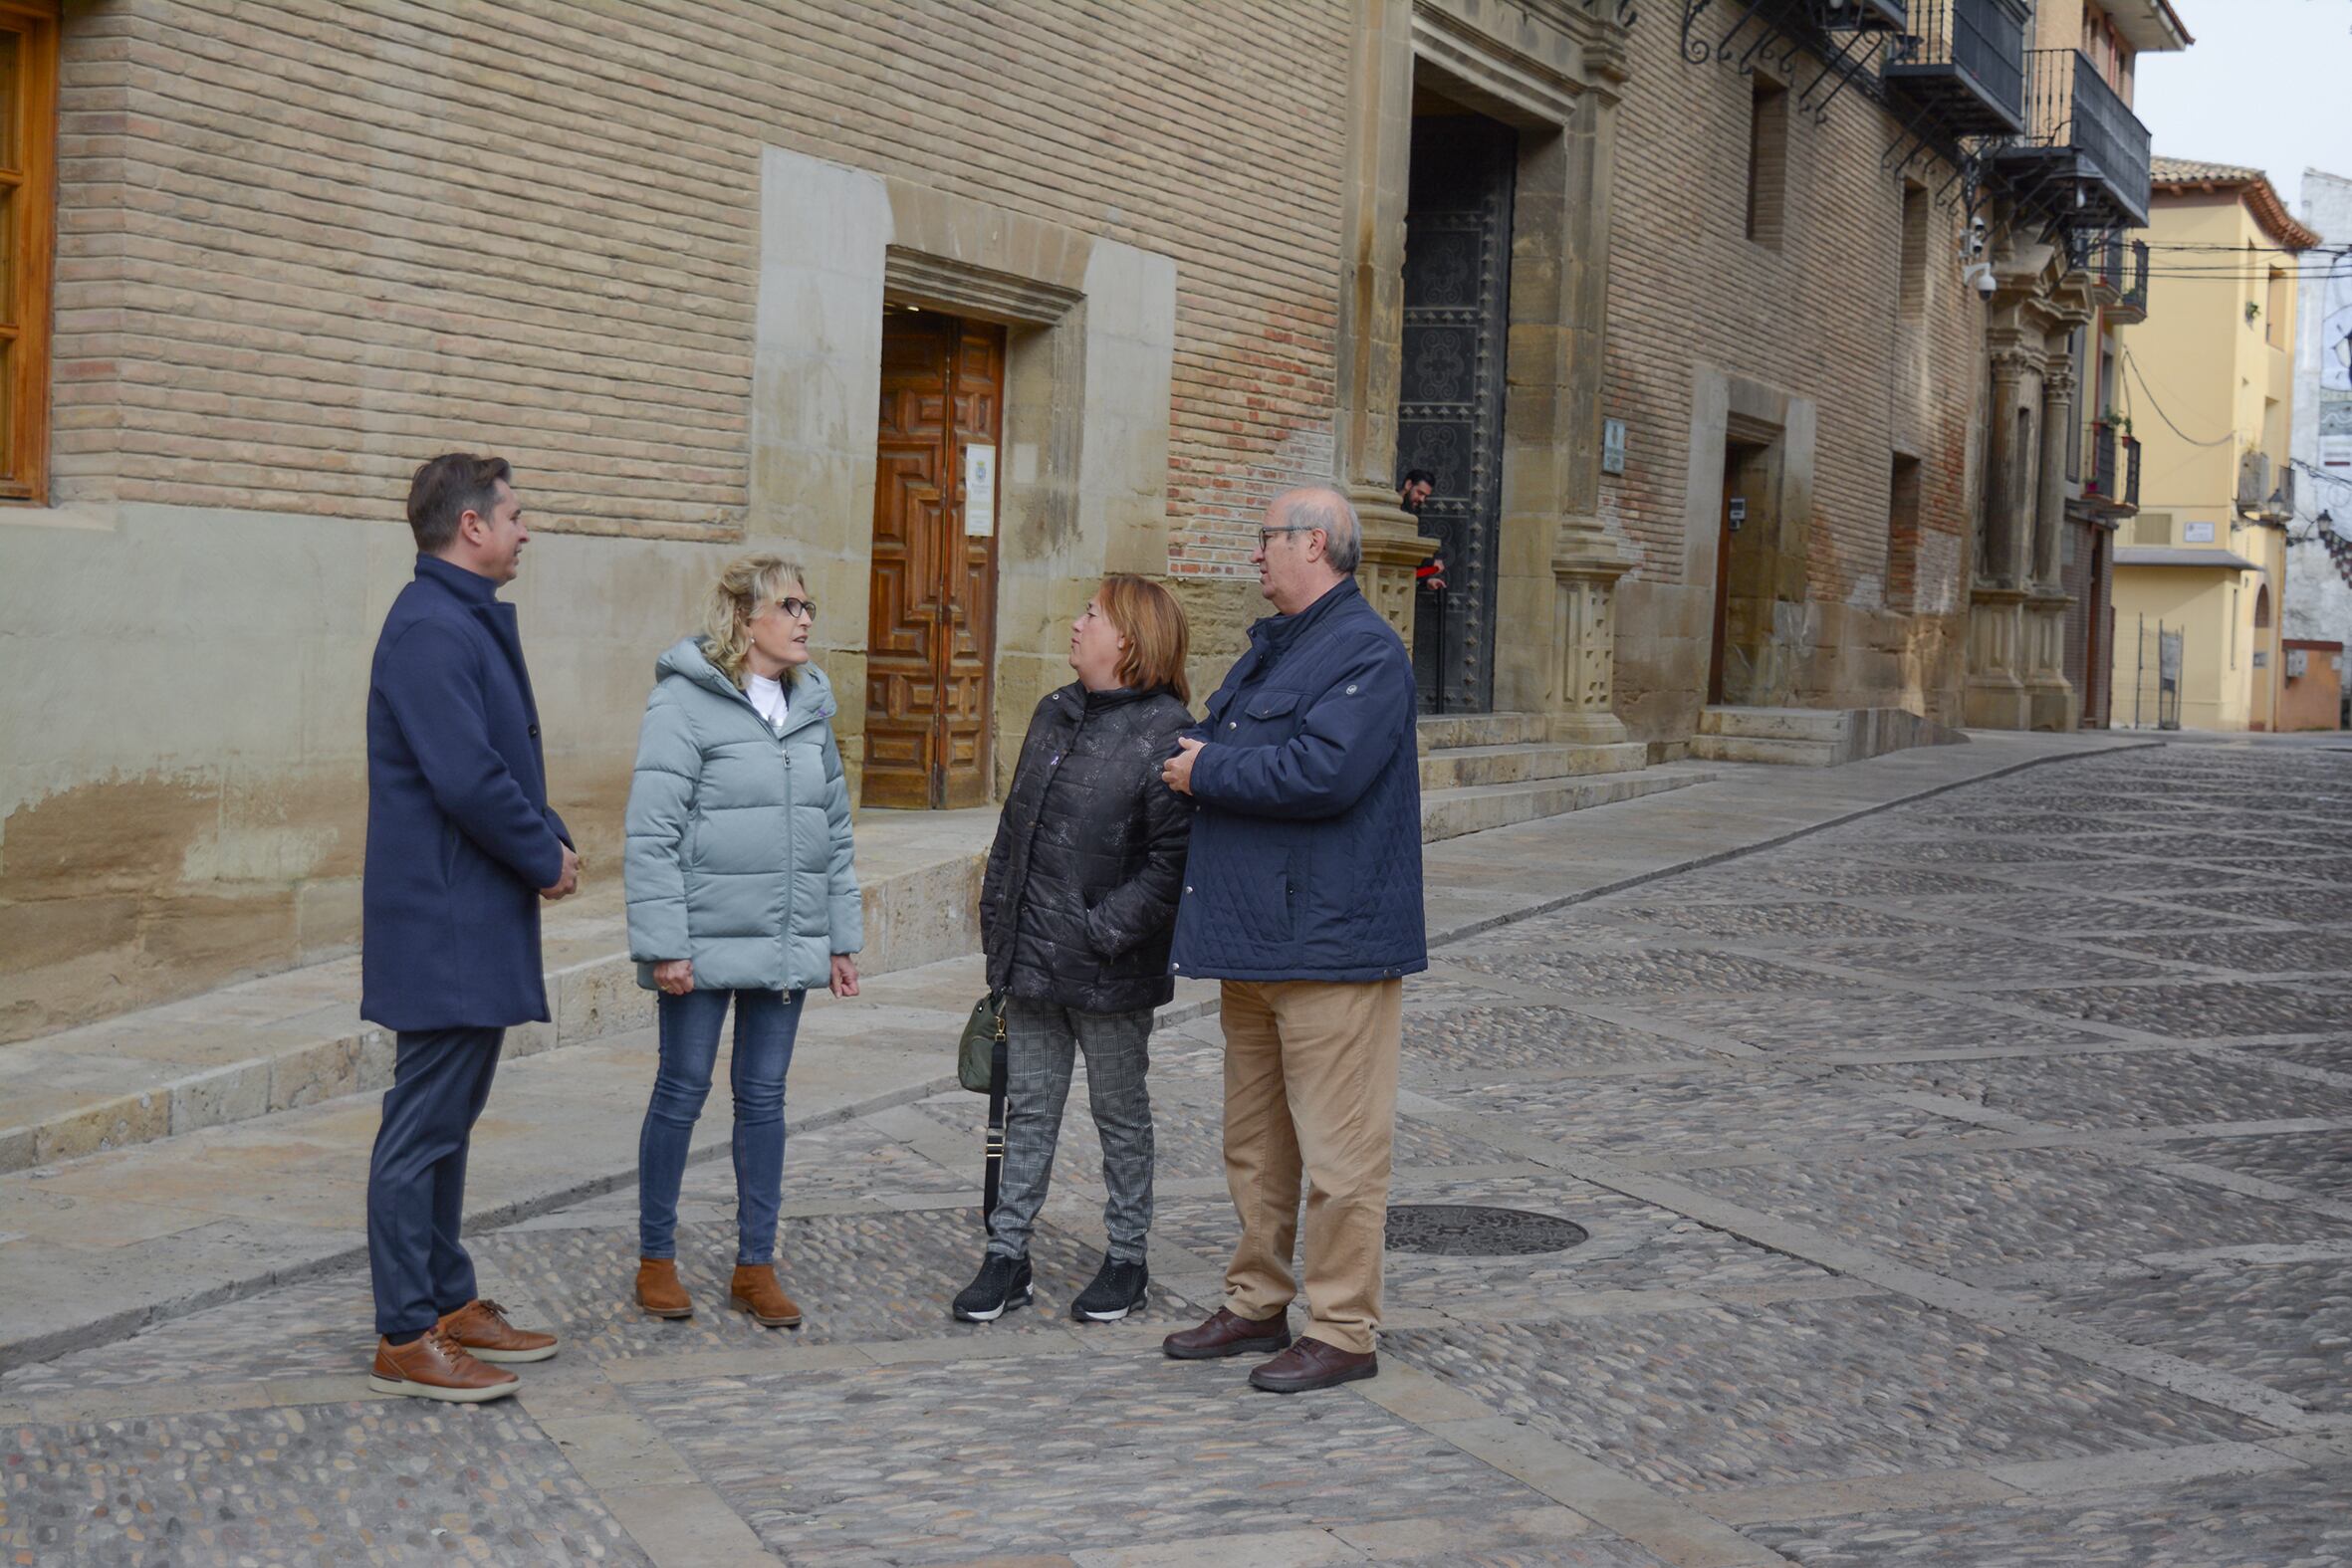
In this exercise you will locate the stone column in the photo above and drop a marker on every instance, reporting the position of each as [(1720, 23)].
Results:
[(1373, 300), (1585, 561), (2050, 694), (1996, 696)]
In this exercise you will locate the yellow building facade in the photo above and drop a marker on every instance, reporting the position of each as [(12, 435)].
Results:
[(2207, 386)]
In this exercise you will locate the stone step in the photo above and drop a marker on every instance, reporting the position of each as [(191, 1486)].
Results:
[(1812, 736), (1828, 725), (1455, 730), (1449, 813), (1463, 767), (1765, 749)]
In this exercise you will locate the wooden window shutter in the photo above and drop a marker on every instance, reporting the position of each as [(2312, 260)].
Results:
[(28, 242)]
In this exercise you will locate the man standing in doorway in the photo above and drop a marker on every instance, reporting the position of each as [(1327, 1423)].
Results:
[(461, 848), (1413, 494), (1303, 894)]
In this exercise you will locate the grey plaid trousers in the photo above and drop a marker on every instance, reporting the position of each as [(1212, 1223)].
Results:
[(1042, 1043)]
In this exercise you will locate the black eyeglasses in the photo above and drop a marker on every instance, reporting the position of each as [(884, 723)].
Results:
[(793, 608)]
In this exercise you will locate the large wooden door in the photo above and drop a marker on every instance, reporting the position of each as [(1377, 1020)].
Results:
[(931, 631)]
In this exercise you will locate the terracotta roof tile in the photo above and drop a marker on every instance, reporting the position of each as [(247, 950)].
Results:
[(2182, 175)]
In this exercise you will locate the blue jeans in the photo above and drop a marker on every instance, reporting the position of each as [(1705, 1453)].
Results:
[(765, 1024)]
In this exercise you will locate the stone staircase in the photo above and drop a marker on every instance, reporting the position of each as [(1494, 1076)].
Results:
[(1812, 736), (1481, 770)]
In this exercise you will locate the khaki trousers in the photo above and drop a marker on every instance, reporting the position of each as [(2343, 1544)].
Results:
[(1311, 1085)]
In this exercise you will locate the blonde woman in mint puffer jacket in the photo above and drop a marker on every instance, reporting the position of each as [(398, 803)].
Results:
[(741, 889)]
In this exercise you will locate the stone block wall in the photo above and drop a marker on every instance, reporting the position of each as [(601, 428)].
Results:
[(1814, 313)]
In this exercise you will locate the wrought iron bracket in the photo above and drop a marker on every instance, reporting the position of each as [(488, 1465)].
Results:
[(1775, 34)]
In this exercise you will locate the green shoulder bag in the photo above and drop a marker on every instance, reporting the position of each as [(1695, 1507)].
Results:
[(975, 1052)]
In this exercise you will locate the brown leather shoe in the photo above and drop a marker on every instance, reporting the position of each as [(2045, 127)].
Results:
[(1311, 1364), (481, 1326), (659, 1291), (754, 1289), (1229, 1334), (437, 1367)]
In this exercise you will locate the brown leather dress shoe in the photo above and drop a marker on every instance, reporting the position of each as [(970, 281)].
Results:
[(1311, 1364), (437, 1367), (1228, 1334), (754, 1289), (658, 1290), (481, 1326)]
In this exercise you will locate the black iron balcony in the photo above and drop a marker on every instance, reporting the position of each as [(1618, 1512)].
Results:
[(2130, 499), (2085, 161), (2099, 484), (1965, 61), (2098, 255), (2133, 305)]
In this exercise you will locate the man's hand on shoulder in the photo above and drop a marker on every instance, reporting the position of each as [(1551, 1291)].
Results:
[(1176, 772), (567, 884)]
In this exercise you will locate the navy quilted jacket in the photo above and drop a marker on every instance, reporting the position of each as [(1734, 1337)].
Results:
[(1305, 856)]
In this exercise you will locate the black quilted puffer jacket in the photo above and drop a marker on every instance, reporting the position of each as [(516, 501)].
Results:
[(1081, 885)]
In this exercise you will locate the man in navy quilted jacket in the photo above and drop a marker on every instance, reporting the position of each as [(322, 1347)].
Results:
[(1303, 894)]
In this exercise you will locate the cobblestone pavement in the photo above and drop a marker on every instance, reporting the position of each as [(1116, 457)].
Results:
[(1967, 1185)]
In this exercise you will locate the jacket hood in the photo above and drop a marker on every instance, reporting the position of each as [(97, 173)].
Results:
[(685, 661)]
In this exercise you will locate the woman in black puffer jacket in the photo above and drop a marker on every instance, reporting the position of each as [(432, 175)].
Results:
[(1076, 915)]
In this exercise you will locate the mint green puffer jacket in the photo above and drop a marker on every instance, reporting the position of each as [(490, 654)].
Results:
[(739, 852)]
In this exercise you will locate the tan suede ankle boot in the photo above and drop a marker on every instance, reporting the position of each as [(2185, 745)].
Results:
[(658, 1290), (754, 1289)]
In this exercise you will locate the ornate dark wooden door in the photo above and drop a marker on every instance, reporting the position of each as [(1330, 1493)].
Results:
[(931, 627), (1450, 406)]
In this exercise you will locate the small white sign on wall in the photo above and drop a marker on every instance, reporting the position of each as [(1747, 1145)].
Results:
[(980, 491), (2196, 533)]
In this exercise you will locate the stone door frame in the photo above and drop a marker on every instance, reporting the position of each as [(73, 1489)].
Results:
[(1554, 71), (1091, 337)]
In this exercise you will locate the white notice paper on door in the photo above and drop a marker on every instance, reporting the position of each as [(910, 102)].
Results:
[(980, 491)]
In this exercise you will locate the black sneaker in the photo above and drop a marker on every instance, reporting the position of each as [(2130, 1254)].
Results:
[(1117, 1292), (1001, 1285)]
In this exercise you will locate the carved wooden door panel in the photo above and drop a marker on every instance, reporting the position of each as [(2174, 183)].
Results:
[(931, 626), (1457, 313)]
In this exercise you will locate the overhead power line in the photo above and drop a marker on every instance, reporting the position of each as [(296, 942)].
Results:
[(2141, 376)]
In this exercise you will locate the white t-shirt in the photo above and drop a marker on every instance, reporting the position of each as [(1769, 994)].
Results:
[(766, 696)]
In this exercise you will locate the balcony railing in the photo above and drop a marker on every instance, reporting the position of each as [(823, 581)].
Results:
[(1966, 58), (2131, 472), (2135, 292), (2099, 483), (2097, 147)]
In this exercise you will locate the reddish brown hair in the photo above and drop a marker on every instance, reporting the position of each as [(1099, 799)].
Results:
[(1152, 620)]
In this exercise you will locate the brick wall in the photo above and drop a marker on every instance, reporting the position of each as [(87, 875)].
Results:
[(301, 244), (1819, 314)]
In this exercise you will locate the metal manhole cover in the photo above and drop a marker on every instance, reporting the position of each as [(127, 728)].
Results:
[(1469, 1230)]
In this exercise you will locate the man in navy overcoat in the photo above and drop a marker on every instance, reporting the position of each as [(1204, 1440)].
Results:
[(461, 848)]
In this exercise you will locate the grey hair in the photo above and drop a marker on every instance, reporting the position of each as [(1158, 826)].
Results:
[(1320, 505)]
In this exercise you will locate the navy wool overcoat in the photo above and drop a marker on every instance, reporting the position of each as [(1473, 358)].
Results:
[(459, 834)]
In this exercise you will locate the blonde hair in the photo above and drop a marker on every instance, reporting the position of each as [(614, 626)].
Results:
[(1152, 620), (744, 590)]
